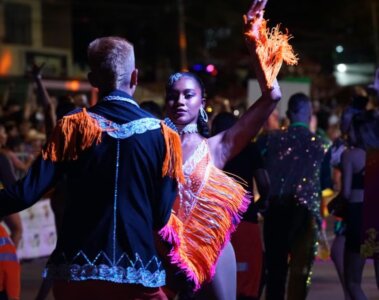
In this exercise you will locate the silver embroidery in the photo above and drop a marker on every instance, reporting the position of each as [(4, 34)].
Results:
[(119, 98), (123, 131), (191, 163), (187, 197), (101, 268)]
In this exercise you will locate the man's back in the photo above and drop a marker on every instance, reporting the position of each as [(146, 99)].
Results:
[(293, 160), (114, 197), (117, 192)]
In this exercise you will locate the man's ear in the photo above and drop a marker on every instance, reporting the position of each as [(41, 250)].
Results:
[(134, 78)]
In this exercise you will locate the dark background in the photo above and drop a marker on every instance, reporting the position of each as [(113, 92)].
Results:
[(214, 29)]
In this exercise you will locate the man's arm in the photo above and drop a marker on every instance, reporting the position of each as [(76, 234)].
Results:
[(24, 193), (262, 181), (261, 178)]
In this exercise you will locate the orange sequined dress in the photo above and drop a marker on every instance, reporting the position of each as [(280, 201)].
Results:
[(207, 210)]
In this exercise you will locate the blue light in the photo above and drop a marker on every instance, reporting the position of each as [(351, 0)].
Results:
[(198, 67)]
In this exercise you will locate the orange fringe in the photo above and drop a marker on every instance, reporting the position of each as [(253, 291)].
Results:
[(73, 134), (272, 48), (172, 165), (198, 240)]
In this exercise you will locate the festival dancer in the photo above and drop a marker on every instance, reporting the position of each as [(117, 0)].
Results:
[(122, 167), (210, 203)]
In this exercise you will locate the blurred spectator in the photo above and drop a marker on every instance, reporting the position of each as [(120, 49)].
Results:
[(12, 130), (273, 121), (363, 135), (81, 100), (16, 163), (338, 147), (9, 264), (293, 220), (24, 128)]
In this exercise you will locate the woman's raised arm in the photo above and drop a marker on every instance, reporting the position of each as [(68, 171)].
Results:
[(268, 49)]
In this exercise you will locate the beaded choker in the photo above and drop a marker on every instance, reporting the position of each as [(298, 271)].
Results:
[(190, 128)]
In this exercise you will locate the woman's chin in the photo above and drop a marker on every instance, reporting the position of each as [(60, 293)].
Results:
[(180, 120)]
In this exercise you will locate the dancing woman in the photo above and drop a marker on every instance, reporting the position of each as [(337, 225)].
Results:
[(210, 203)]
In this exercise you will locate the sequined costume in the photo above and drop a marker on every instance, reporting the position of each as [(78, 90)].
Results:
[(206, 211), (122, 174), (293, 159)]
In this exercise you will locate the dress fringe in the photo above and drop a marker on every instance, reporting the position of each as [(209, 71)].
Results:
[(72, 135), (272, 48), (172, 164), (198, 241)]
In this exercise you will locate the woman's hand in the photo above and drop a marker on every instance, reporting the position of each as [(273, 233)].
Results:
[(253, 36), (253, 19), (269, 48)]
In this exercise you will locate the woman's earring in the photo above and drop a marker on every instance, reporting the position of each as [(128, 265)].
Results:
[(203, 114)]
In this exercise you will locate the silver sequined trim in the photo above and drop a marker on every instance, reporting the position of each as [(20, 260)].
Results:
[(101, 268), (191, 163), (123, 131), (119, 98)]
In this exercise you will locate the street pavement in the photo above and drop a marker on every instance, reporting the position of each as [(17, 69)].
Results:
[(325, 283)]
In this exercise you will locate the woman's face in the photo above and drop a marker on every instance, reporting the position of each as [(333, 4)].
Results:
[(184, 100)]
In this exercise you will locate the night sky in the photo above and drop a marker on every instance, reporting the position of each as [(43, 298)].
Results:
[(214, 28)]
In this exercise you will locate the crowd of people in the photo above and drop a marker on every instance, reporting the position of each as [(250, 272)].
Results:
[(161, 203)]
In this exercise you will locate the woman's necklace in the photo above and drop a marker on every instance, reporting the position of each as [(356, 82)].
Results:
[(190, 128)]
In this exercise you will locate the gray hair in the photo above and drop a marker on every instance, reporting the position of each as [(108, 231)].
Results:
[(112, 59)]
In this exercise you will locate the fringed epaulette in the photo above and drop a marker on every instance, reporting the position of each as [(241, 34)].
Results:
[(272, 48), (172, 164), (73, 134), (198, 241)]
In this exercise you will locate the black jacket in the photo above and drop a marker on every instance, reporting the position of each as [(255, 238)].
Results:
[(116, 199)]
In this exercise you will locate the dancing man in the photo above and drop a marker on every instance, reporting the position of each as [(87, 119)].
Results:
[(122, 173)]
